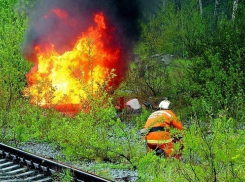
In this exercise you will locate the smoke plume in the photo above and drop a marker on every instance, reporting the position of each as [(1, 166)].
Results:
[(123, 15)]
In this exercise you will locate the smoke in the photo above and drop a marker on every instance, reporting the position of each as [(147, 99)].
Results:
[(121, 14)]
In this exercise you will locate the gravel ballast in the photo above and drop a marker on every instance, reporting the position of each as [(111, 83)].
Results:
[(48, 151)]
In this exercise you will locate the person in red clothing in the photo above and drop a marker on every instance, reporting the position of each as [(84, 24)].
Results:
[(157, 128)]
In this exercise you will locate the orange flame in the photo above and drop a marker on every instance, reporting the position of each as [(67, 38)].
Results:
[(58, 80)]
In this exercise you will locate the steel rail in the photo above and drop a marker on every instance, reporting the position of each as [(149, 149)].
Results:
[(47, 166)]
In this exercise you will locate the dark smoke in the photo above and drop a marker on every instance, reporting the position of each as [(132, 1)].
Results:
[(121, 14)]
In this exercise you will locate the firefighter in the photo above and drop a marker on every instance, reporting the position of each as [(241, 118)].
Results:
[(156, 132)]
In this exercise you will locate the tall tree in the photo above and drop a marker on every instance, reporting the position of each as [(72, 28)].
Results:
[(164, 3), (200, 5), (235, 5), (216, 10)]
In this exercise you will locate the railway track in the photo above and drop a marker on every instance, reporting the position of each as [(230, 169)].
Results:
[(19, 166)]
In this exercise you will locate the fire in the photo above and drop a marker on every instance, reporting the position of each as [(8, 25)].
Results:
[(61, 80)]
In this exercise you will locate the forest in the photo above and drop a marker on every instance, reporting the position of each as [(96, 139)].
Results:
[(190, 51)]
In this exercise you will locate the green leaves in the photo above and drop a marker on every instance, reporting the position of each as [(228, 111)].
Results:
[(213, 147), (161, 34), (12, 66)]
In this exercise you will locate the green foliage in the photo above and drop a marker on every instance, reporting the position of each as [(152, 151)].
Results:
[(12, 66), (195, 31), (211, 147), (219, 71), (85, 135), (161, 33), (151, 168), (23, 122), (216, 71)]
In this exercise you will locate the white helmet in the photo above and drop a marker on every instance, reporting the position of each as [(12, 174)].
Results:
[(164, 104)]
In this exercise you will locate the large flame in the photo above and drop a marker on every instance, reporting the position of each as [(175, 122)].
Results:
[(62, 80)]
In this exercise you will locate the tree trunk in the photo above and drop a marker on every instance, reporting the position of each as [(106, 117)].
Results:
[(216, 10), (200, 5), (235, 5), (164, 3)]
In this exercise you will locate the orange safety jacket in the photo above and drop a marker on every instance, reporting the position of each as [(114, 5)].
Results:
[(161, 119)]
